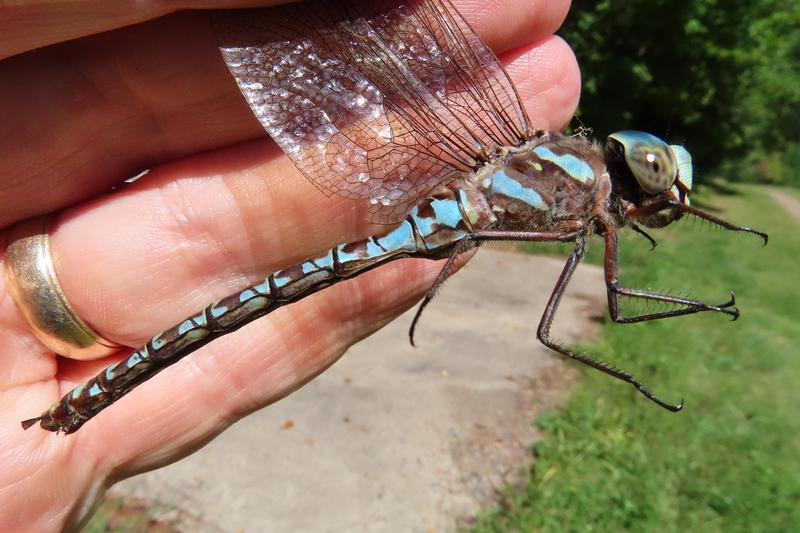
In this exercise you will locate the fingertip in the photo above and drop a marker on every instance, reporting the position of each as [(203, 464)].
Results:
[(548, 78), (508, 24)]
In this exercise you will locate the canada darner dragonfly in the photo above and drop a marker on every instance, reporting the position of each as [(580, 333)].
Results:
[(405, 107)]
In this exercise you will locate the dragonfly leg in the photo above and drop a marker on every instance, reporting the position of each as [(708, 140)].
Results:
[(646, 235), (657, 206), (615, 291), (461, 247), (475, 239), (529, 236), (543, 333)]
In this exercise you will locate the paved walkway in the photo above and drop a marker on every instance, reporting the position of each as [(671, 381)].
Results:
[(393, 438), (790, 203)]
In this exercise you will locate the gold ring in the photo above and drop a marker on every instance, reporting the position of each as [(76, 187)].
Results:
[(33, 284)]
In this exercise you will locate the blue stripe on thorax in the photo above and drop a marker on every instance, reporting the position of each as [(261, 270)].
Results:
[(504, 184), (572, 165)]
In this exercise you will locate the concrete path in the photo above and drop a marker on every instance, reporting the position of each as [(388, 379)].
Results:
[(790, 203), (393, 438)]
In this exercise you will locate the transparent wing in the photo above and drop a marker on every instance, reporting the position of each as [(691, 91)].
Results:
[(371, 100)]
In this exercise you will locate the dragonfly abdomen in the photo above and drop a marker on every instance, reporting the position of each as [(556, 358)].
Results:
[(431, 230)]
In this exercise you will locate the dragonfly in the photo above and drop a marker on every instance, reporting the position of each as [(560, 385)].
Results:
[(404, 107)]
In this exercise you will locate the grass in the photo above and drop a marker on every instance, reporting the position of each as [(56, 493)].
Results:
[(130, 515), (610, 460)]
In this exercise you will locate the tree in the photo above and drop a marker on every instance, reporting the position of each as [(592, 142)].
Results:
[(721, 77)]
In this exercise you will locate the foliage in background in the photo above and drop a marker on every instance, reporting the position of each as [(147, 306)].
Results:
[(721, 77)]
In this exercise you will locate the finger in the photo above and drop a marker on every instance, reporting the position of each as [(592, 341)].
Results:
[(549, 80), (508, 24), (27, 26), (82, 116)]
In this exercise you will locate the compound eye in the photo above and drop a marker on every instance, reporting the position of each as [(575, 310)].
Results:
[(650, 160), (654, 169)]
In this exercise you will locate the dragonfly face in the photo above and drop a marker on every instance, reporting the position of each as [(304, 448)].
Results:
[(646, 172)]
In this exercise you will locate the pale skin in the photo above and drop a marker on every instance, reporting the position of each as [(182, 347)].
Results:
[(221, 208)]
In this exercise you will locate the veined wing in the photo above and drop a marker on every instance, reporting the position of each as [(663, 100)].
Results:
[(373, 100)]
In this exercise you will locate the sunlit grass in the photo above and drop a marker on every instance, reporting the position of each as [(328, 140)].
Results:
[(130, 515), (611, 460)]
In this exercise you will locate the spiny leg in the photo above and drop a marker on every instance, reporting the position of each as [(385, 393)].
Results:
[(570, 235), (615, 291), (655, 207), (475, 239), (693, 306), (461, 247), (543, 332)]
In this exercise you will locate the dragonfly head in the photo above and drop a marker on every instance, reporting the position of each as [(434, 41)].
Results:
[(645, 170)]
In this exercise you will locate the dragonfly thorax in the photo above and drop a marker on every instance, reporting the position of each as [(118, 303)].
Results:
[(549, 180)]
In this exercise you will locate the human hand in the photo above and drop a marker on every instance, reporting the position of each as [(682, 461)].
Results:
[(221, 207)]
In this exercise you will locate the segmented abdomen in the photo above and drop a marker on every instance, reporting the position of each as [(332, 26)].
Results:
[(430, 230)]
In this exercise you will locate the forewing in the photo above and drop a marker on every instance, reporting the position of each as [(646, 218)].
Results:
[(383, 102)]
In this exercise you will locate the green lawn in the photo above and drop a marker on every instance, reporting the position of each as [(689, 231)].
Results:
[(611, 460)]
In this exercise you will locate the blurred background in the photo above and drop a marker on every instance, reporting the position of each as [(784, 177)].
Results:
[(723, 79)]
